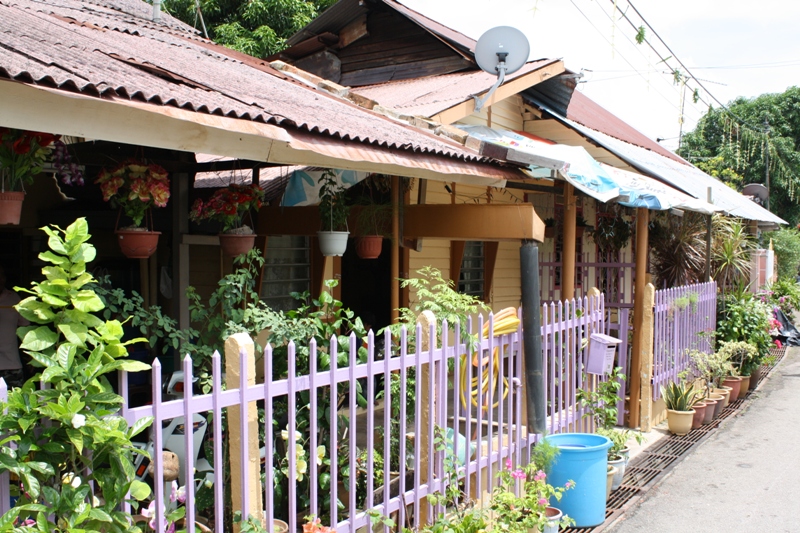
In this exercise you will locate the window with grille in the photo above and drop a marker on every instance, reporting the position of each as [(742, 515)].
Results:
[(287, 269), (470, 281)]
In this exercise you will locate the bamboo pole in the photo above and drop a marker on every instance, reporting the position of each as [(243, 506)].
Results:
[(568, 250)]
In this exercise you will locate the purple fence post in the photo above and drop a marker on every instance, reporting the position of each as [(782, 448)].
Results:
[(387, 424), (351, 434), (312, 396), (334, 422), (371, 422), (269, 449), (5, 483), (403, 413), (158, 445), (216, 376)]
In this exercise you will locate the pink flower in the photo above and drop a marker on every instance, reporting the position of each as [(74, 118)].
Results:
[(542, 501), (778, 343), (539, 476), (518, 474), (508, 464), (569, 484)]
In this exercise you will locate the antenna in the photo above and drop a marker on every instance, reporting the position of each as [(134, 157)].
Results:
[(758, 193), (501, 50)]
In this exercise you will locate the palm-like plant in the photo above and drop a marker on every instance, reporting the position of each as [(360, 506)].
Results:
[(680, 397), (678, 249), (730, 251)]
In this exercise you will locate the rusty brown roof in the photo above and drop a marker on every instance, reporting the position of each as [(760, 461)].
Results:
[(586, 111), (111, 49), (429, 96)]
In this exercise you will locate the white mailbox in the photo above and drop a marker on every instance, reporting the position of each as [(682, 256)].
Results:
[(602, 349)]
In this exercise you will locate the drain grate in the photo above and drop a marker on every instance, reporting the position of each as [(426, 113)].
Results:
[(654, 462)]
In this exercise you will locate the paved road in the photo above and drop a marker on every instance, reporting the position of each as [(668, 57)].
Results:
[(744, 478)]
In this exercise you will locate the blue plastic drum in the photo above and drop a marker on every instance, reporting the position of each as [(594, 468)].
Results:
[(583, 459)]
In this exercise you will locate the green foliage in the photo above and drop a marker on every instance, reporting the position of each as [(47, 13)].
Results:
[(786, 243), (680, 397), (438, 295), (619, 440), (744, 318), (69, 435), (731, 247), (784, 293), (743, 146), (612, 233), (333, 208), (717, 168), (712, 367), (640, 35), (601, 403), (742, 355), (258, 28)]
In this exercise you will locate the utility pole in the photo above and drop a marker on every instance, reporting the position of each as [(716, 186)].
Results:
[(766, 158)]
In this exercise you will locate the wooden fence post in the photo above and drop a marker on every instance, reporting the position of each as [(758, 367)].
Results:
[(646, 368), (237, 344), (425, 320)]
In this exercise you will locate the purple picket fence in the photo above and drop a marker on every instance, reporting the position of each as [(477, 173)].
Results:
[(684, 319), (474, 395), (565, 327)]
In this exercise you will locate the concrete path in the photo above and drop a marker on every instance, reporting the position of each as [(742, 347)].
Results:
[(744, 478)]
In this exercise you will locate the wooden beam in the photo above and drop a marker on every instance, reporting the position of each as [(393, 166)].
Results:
[(353, 31), (510, 88), (507, 153), (639, 341), (568, 250), (461, 222), (456, 258), (490, 250)]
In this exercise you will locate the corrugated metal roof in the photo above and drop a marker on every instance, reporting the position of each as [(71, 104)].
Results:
[(450, 35), (586, 111), (132, 58), (428, 96), (684, 176), (332, 19)]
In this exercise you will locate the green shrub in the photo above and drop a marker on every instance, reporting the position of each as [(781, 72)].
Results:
[(742, 317), (786, 243)]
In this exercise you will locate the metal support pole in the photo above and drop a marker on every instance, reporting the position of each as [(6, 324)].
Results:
[(708, 242), (532, 337)]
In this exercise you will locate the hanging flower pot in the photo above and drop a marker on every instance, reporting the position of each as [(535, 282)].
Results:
[(332, 243), (11, 207), (234, 244), (229, 206), (137, 243), (369, 246), (134, 187)]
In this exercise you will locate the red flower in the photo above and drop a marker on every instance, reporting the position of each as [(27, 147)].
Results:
[(22, 145)]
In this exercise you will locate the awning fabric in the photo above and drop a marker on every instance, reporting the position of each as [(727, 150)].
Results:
[(598, 180)]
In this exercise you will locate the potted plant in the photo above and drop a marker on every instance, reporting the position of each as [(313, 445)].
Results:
[(134, 187), (374, 223), (22, 156), (680, 400), (744, 358), (229, 206), (333, 211), (580, 225)]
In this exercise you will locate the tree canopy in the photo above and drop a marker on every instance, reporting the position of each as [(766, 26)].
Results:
[(256, 27), (731, 144)]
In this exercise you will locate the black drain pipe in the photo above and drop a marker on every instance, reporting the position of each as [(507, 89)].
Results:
[(532, 338)]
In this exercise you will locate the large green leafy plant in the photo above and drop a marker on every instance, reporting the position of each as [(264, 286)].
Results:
[(73, 453), (742, 317)]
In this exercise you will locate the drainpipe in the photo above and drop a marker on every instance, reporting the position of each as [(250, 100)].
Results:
[(532, 336), (156, 10)]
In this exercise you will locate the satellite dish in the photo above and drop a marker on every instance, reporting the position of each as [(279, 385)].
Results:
[(501, 50), (757, 192)]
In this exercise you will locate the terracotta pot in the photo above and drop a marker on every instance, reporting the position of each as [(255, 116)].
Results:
[(610, 480), (726, 395), (699, 414), (735, 383), (720, 404), (137, 244), (745, 387), (233, 244), (708, 417), (553, 517), (369, 246), (332, 243), (680, 422), (11, 207), (755, 377)]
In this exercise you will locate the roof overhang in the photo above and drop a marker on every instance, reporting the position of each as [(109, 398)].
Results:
[(43, 109)]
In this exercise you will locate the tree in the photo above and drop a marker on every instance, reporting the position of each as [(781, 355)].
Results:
[(256, 27), (731, 145)]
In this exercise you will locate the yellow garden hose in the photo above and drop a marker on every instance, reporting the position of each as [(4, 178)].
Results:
[(506, 321)]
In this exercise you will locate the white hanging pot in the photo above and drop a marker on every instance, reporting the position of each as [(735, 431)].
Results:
[(333, 243)]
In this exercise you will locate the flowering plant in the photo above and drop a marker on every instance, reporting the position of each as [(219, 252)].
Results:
[(135, 187), (520, 500), (170, 516), (228, 206), (22, 156)]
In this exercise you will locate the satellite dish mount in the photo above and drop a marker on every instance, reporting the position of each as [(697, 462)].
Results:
[(501, 50)]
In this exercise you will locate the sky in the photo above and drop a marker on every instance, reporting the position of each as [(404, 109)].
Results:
[(735, 48)]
